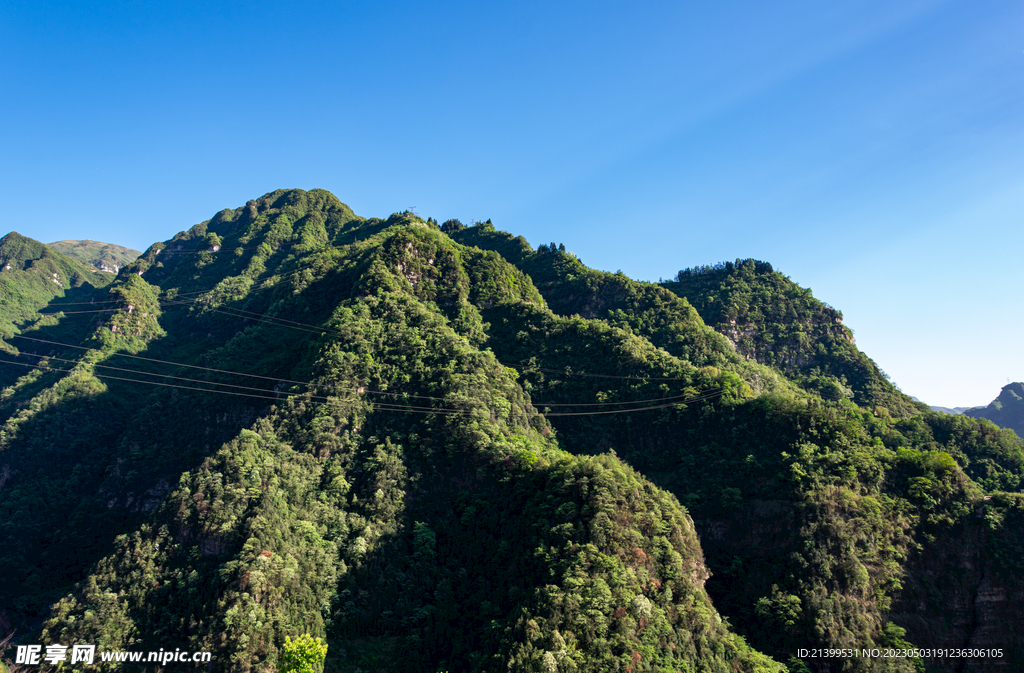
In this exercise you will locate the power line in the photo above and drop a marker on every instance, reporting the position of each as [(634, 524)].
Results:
[(275, 398), (170, 376), (99, 310), (211, 369), (306, 327), (311, 384), (567, 372), (355, 390), (254, 280), (605, 404), (324, 330), (378, 405), (699, 398), (72, 303)]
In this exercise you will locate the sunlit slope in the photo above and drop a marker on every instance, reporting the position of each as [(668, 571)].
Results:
[(40, 287), (32, 275), (774, 321), (815, 512), (571, 288)]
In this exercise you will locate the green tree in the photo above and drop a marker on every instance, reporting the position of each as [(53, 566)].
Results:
[(305, 654)]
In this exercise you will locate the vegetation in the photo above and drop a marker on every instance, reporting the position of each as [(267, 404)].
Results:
[(32, 275), (40, 288), (774, 321), (303, 655), (423, 447)]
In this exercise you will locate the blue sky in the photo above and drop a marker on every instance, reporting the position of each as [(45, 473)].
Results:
[(873, 151)]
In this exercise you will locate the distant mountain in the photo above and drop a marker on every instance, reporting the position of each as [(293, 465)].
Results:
[(1007, 410), (104, 256), (943, 410), (950, 410)]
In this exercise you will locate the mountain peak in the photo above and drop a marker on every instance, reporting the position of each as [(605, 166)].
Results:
[(1007, 410), (1012, 391), (16, 249)]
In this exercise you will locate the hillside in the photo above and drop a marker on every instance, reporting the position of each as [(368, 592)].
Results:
[(32, 276), (437, 448), (772, 320), (1006, 411), (103, 256)]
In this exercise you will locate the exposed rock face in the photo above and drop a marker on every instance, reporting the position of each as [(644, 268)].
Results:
[(957, 595)]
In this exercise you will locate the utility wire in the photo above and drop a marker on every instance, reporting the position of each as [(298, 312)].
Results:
[(275, 398), (219, 371), (180, 294), (381, 406), (98, 310), (183, 378), (309, 383), (72, 303), (306, 327), (282, 322), (699, 398), (526, 367)]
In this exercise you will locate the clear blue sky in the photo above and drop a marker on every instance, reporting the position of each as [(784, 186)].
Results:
[(873, 151)]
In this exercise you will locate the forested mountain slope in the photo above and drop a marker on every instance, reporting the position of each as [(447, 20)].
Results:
[(775, 321), (569, 287), (439, 449), (353, 465), (32, 276), (1007, 410), (812, 508)]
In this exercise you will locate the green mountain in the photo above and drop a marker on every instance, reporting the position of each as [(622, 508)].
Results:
[(772, 320), (103, 256), (436, 448), (1006, 411)]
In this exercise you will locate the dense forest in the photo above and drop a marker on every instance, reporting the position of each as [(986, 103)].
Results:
[(300, 439)]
